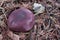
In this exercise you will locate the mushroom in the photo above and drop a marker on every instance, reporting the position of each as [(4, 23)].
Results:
[(21, 20)]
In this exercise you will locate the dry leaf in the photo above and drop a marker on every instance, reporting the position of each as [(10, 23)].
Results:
[(13, 36), (1, 37), (10, 34), (16, 37), (22, 36)]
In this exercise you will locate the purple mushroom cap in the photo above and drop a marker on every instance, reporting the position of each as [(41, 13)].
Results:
[(21, 20)]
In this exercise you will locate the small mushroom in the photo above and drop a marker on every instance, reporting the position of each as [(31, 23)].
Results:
[(21, 20)]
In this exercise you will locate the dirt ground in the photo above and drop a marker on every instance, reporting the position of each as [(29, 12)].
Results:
[(47, 24)]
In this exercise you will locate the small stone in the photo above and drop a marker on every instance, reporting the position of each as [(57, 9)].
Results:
[(38, 8)]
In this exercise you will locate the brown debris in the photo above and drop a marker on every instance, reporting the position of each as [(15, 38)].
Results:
[(47, 24)]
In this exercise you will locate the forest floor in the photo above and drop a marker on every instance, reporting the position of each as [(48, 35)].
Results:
[(47, 24)]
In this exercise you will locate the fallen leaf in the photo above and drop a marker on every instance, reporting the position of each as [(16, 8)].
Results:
[(22, 36), (16, 37), (13, 36), (1, 37)]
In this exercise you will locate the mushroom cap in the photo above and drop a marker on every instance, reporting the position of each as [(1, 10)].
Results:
[(21, 20)]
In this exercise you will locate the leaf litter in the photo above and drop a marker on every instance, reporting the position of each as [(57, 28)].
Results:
[(47, 23)]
